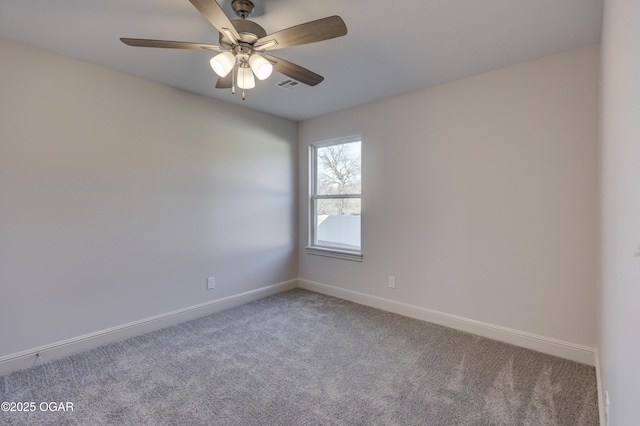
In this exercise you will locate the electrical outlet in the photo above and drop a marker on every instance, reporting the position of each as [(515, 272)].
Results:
[(392, 282), (211, 283)]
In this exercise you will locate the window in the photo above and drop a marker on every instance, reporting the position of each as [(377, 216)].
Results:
[(335, 199)]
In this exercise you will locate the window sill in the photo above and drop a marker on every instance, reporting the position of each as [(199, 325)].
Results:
[(335, 253)]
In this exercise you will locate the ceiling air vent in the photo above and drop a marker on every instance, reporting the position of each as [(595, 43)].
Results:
[(289, 84)]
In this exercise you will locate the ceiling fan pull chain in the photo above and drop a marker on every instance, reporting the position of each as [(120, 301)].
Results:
[(243, 85), (233, 81)]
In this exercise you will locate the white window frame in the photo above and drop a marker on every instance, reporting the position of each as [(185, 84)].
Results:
[(313, 247)]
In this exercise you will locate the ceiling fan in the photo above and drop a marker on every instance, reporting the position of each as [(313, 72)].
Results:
[(243, 43)]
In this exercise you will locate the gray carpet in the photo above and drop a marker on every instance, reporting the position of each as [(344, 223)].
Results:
[(300, 358)]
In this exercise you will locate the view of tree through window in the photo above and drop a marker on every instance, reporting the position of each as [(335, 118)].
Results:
[(337, 198)]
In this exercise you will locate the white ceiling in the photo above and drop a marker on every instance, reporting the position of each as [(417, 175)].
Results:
[(392, 47)]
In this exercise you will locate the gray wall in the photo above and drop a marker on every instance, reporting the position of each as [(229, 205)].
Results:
[(619, 339), (479, 196), (120, 196)]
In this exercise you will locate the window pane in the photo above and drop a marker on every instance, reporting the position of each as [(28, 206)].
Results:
[(338, 169), (338, 223)]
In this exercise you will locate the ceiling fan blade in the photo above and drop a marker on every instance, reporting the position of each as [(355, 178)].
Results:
[(294, 71), (143, 42), (311, 32), (225, 82), (211, 10)]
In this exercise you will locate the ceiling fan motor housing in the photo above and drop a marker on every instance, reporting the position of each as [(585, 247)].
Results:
[(249, 32)]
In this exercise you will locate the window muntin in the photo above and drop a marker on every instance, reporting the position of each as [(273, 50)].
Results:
[(335, 197)]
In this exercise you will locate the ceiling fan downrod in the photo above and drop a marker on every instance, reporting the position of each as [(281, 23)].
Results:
[(242, 8)]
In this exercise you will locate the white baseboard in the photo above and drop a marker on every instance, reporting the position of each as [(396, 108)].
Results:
[(574, 352), (601, 395), (559, 348), (28, 358)]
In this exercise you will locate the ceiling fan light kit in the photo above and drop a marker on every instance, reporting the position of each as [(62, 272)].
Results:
[(243, 43), (245, 78), (223, 63), (260, 66)]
